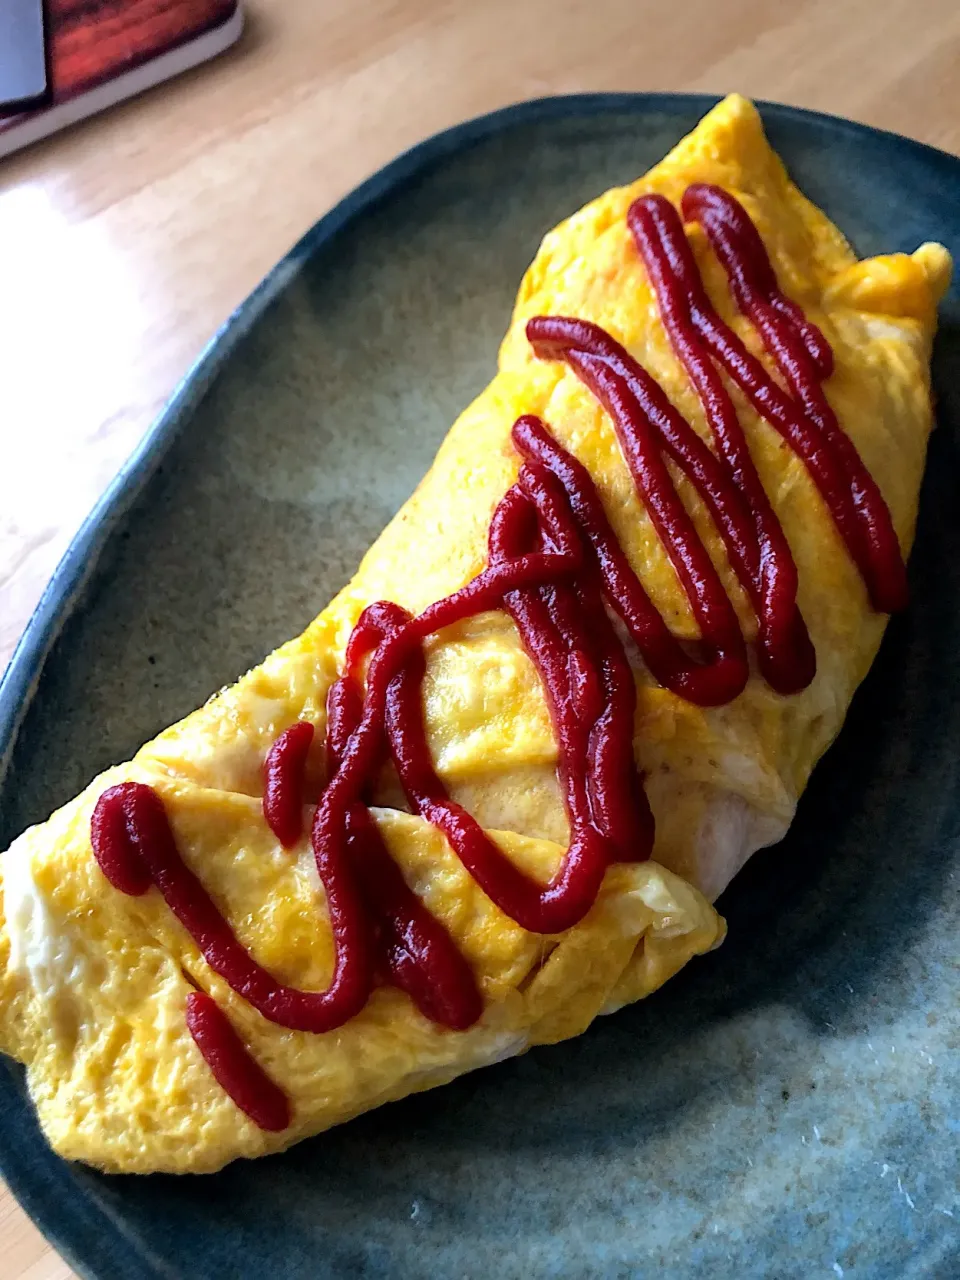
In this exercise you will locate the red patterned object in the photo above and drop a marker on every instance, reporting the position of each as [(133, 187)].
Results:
[(102, 51)]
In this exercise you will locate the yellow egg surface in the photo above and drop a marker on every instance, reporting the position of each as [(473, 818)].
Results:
[(93, 984)]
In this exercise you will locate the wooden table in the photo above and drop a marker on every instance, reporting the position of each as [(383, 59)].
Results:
[(125, 243)]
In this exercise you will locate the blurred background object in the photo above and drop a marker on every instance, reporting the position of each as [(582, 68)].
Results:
[(97, 54)]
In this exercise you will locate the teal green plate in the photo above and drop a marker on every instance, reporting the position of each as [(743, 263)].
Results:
[(789, 1106)]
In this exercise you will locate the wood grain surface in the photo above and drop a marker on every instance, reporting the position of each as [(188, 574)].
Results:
[(126, 242)]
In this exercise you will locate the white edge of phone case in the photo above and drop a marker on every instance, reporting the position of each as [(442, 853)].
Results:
[(31, 128)]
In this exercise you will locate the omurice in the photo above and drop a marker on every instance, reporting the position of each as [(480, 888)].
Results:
[(495, 788)]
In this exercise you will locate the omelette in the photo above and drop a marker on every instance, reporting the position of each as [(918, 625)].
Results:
[(496, 786)]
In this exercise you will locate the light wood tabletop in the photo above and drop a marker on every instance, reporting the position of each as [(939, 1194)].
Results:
[(126, 242)]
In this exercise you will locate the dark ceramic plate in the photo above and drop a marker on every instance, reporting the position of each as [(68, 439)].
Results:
[(788, 1107)]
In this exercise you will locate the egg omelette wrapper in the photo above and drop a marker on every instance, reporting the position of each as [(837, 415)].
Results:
[(93, 984)]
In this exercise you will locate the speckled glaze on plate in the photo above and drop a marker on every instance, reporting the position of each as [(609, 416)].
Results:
[(789, 1106)]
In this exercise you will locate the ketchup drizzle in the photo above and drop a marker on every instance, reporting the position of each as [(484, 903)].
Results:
[(803, 358), (130, 828), (556, 566), (752, 533), (283, 772), (239, 1075)]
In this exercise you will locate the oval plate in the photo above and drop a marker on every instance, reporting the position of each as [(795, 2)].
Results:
[(786, 1106)]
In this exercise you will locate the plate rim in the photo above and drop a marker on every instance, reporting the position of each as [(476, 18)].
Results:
[(80, 1230)]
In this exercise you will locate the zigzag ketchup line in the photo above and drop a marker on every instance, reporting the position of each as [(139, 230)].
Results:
[(130, 829), (803, 357), (637, 405), (759, 552), (555, 565), (416, 952)]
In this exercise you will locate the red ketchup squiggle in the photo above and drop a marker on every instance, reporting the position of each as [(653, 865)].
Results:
[(803, 357), (642, 414), (135, 847), (755, 542), (556, 566), (239, 1075), (283, 777), (416, 952), (392, 709)]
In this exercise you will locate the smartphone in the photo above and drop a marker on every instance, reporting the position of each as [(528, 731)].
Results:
[(96, 54)]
